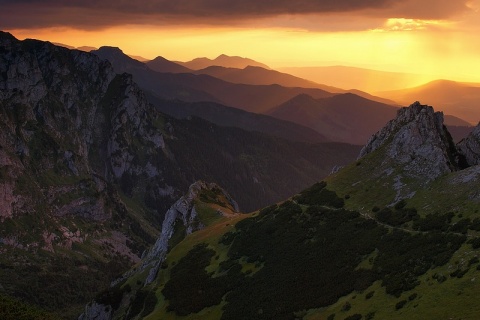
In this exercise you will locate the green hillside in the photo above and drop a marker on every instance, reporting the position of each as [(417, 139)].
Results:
[(310, 257)]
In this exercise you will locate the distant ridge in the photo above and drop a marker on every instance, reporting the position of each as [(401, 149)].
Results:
[(223, 61), (261, 76), (348, 117), (160, 64)]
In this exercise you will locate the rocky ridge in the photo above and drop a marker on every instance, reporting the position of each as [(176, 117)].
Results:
[(418, 140)]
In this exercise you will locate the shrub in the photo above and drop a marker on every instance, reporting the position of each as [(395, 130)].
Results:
[(400, 304)]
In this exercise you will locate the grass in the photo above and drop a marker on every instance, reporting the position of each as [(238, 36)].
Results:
[(449, 193), (364, 184)]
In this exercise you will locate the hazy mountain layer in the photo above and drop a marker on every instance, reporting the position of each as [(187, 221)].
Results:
[(232, 117), (194, 88)]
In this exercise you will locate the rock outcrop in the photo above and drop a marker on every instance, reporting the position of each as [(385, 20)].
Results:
[(417, 140), (470, 147), (183, 211)]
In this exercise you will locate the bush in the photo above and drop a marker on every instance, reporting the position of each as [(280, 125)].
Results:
[(397, 217), (400, 304), (318, 195)]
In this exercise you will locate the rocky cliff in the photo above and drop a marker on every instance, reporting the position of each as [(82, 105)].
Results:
[(418, 140), (184, 214), (470, 147)]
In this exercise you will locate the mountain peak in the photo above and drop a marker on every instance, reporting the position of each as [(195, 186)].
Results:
[(418, 140), (6, 35), (6, 38), (111, 50)]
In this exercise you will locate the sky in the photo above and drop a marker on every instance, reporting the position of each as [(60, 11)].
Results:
[(434, 37)]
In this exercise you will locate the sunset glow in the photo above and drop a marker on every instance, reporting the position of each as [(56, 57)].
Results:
[(440, 43)]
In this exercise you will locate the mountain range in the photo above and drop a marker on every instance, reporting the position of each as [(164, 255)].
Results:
[(222, 61), (89, 168), (153, 190)]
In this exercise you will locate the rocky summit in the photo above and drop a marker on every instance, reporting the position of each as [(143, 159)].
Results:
[(418, 140)]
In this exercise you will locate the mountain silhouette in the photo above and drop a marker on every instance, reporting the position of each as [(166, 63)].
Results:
[(160, 64), (190, 87), (223, 61)]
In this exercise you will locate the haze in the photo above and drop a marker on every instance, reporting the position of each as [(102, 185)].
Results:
[(432, 39)]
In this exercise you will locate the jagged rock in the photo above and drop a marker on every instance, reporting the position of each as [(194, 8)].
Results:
[(417, 140), (470, 147), (181, 211)]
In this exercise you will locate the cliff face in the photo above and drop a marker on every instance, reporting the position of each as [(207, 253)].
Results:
[(184, 212), (417, 140), (470, 147), (67, 114)]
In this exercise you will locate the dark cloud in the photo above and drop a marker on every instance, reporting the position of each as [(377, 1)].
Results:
[(90, 14)]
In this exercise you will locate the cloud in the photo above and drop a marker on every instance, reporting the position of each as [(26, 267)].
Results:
[(402, 24), (94, 14)]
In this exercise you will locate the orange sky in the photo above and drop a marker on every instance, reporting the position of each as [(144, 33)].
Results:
[(432, 37)]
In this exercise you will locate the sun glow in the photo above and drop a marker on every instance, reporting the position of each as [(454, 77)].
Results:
[(420, 48)]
